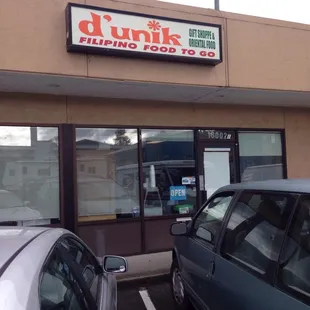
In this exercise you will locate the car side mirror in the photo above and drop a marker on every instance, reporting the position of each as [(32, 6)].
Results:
[(114, 264), (178, 229)]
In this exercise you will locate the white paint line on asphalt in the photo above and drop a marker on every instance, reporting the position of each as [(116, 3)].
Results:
[(147, 300)]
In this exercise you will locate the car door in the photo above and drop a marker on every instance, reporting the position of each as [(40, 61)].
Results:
[(60, 286), (71, 278), (196, 250), (293, 278), (246, 262), (87, 264)]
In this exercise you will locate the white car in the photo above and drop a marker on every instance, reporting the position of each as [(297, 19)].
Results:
[(52, 269)]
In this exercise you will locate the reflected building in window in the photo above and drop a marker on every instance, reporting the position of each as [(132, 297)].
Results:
[(105, 186), (29, 170)]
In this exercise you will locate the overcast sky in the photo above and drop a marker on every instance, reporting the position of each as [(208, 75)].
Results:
[(290, 10), (20, 136)]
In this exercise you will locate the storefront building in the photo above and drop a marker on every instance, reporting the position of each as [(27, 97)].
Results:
[(117, 118)]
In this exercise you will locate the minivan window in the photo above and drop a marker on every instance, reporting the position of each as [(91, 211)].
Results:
[(255, 230), (294, 271), (208, 223)]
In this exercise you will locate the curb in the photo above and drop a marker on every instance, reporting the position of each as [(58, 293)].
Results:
[(142, 281)]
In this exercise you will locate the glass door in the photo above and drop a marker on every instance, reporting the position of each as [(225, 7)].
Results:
[(216, 164), (217, 169)]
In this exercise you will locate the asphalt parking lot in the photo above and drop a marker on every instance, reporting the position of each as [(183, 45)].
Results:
[(145, 296)]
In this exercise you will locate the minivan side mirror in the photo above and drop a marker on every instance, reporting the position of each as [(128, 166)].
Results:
[(114, 264), (178, 229)]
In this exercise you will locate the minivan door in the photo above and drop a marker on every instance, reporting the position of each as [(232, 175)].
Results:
[(196, 251), (245, 265)]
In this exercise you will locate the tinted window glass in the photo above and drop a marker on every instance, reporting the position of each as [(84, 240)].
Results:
[(255, 230), (87, 262), (59, 289), (208, 224), (294, 272)]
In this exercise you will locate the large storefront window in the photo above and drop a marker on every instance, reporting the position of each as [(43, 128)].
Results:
[(260, 156), (29, 175), (169, 185), (107, 173)]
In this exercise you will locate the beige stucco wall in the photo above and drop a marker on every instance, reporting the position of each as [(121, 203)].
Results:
[(53, 110), (258, 53), (297, 128)]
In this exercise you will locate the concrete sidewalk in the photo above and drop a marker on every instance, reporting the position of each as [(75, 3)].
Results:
[(147, 266)]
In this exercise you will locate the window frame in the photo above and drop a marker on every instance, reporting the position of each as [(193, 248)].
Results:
[(91, 302), (205, 243), (268, 277), (296, 294)]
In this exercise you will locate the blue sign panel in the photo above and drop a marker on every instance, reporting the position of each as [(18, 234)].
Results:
[(177, 192)]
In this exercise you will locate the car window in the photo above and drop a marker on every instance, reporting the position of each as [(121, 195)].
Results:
[(59, 290), (208, 223), (294, 271), (89, 265), (255, 230)]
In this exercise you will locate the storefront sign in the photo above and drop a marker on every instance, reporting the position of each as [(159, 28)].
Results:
[(110, 32), (177, 193)]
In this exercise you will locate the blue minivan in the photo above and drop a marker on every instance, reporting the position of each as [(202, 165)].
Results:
[(247, 248)]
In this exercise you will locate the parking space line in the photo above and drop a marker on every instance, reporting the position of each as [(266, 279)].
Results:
[(147, 300)]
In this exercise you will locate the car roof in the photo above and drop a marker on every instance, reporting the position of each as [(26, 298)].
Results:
[(282, 185), (13, 239)]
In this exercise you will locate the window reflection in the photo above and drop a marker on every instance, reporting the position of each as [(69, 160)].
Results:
[(256, 229), (26, 194), (260, 156), (294, 265), (168, 172), (107, 173)]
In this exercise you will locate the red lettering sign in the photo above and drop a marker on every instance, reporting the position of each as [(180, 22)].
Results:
[(158, 35)]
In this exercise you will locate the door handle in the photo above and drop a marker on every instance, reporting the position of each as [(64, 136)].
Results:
[(211, 270)]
